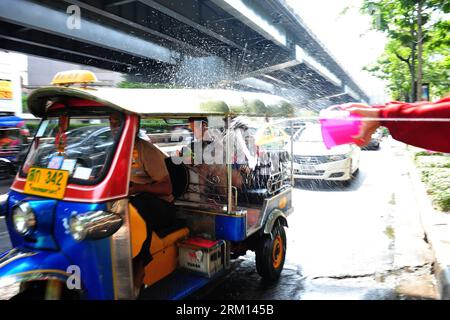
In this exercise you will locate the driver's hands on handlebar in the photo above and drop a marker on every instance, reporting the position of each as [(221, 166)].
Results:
[(368, 127)]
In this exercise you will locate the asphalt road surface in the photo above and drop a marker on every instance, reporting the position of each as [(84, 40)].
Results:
[(364, 241)]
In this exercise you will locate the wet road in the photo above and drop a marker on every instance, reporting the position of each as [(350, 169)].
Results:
[(364, 241)]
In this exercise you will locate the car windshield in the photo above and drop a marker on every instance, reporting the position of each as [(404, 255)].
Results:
[(309, 134), (80, 134), (84, 149)]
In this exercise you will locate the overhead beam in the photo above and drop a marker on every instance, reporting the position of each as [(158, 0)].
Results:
[(312, 63), (103, 13), (254, 19), (30, 14), (279, 82), (190, 23), (119, 3), (352, 93), (257, 84), (43, 51), (57, 49), (270, 69), (297, 26)]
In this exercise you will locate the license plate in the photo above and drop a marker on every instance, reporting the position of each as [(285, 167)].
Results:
[(48, 183), (306, 168)]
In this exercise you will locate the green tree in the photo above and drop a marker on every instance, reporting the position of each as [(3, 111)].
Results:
[(25, 103), (418, 38)]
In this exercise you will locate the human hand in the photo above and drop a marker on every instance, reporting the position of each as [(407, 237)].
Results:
[(369, 125)]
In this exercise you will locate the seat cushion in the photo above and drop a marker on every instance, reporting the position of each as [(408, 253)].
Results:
[(174, 236), (139, 234)]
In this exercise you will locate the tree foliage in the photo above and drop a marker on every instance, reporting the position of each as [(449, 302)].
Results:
[(418, 45)]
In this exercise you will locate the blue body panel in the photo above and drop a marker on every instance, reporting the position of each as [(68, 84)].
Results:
[(232, 228), (93, 257), (44, 210), (42, 240), (38, 262), (178, 285)]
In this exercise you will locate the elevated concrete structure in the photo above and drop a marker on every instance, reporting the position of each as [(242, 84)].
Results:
[(258, 45)]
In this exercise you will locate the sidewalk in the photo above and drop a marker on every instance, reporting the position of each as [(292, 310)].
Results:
[(437, 229)]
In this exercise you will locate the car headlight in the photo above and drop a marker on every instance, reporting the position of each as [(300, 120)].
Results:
[(24, 219), (338, 157), (94, 225)]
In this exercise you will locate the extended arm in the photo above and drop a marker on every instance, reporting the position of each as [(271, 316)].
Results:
[(408, 123)]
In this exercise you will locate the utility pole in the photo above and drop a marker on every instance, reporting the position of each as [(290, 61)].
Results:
[(419, 51)]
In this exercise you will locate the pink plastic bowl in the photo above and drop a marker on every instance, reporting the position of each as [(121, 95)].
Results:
[(338, 127)]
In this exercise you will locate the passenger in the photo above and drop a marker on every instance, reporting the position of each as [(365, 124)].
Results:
[(192, 156), (194, 153), (207, 155), (150, 193)]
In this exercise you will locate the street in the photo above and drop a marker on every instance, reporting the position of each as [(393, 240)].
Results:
[(363, 242)]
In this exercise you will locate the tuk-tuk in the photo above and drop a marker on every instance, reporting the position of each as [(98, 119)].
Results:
[(73, 230)]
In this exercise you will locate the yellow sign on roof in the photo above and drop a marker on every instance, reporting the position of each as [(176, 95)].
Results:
[(74, 77)]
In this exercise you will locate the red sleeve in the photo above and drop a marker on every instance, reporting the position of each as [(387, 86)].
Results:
[(431, 135)]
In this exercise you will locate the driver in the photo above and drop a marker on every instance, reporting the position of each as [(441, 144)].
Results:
[(150, 193)]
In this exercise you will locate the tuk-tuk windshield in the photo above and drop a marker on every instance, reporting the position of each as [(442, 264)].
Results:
[(82, 145)]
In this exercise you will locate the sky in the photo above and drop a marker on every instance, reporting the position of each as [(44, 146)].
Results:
[(347, 37)]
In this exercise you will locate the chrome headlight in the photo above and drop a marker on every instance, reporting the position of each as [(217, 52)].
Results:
[(94, 225), (338, 157), (24, 219)]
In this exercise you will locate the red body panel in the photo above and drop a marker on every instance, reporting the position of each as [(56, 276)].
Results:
[(115, 183)]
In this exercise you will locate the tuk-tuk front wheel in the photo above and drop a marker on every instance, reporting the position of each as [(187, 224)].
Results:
[(271, 253)]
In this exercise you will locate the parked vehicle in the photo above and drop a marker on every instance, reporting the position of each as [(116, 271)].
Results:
[(87, 144), (13, 142), (74, 232), (375, 140), (312, 160)]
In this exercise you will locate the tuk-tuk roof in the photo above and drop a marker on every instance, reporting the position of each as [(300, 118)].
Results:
[(167, 102)]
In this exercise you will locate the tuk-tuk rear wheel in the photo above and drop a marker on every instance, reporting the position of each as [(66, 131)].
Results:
[(271, 253)]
